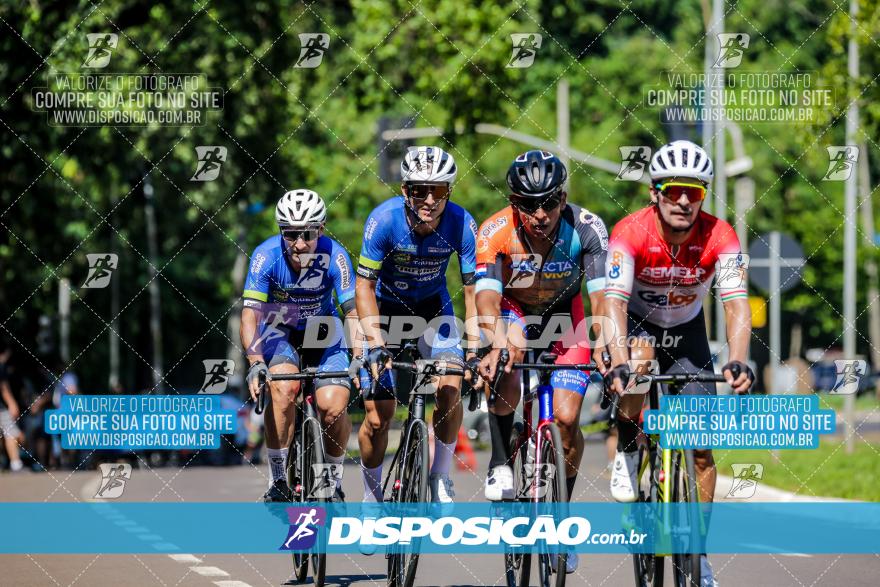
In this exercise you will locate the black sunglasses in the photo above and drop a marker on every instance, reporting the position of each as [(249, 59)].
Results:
[(532, 205), (420, 191), (309, 234)]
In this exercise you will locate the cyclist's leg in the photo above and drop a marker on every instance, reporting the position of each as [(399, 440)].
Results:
[(281, 357), (569, 388), (688, 351)]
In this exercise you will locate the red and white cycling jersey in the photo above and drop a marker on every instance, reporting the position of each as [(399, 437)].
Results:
[(665, 284)]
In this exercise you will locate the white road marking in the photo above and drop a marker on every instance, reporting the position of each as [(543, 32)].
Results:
[(209, 571), (185, 558), (231, 584)]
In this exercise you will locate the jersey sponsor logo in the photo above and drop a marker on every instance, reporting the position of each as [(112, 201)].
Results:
[(616, 262), (655, 249), (670, 298), (249, 303), (401, 285), (401, 258), (441, 250), (597, 225), (494, 226), (472, 225), (257, 263), (482, 245), (370, 229), (344, 273), (697, 273)]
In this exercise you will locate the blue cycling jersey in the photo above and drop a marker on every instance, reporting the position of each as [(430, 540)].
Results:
[(409, 267), (308, 292)]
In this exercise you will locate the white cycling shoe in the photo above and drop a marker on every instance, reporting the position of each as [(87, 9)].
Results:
[(499, 483), (441, 488), (623, 476)]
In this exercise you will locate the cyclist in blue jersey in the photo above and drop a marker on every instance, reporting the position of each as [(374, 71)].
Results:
[(292, 278), (407, 243)]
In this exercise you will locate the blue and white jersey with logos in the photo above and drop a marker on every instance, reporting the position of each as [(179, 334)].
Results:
[(306, 293), (410, 267)]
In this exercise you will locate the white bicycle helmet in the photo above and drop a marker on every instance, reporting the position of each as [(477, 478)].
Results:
[(681, 159), (299, 209), (428, 165)]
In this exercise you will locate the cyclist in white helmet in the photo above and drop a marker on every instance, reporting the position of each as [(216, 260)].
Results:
[(292, 277), (660, 265), (408, 241)]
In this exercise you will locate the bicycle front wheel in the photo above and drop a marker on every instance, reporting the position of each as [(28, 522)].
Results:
[(311, 488), (412, 472), (550, 488), (686, 565), (648, 566), (518, 564)]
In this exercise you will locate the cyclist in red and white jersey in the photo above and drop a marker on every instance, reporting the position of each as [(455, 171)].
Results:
[(661, 263)]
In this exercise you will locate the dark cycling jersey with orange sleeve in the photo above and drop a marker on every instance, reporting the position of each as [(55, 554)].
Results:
[(666, 284), (506, 264)]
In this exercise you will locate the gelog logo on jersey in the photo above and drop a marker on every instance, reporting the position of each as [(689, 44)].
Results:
[(616, 261), (668, 299)]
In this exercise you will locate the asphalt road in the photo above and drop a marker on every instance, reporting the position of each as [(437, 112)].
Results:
[(248, 483)]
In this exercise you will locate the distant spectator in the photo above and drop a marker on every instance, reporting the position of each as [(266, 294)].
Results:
[(67, 384), (9, 413)]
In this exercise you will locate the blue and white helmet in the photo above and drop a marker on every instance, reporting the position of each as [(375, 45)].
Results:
[(299, 209), (428, 165)]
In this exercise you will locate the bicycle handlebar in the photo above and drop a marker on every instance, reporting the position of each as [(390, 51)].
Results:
[(310, 373), (431, 368), (555, 367), (682, 378)]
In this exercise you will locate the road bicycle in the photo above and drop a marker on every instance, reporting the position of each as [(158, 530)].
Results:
[(668, 476), (409, 470), (309, 477), (538, 463)]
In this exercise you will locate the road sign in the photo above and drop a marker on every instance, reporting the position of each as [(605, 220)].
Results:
[(773, 252)]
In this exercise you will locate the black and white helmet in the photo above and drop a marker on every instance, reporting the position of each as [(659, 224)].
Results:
[(299, 209), (428, 165), (681, 159), (536, 174)]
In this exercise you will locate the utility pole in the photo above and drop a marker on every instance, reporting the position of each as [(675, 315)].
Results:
[(849, 235), (155, 307), (563, 126), (867, 207)]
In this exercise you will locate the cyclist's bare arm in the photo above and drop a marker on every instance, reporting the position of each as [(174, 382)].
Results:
[(738, 316), (250, 342), (489, 312), (368, 311), (597, 310), (615, 310), (351, 326), (472, 329)]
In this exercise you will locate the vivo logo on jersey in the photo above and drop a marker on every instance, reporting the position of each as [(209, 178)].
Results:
[(697, 273), (667, 299)]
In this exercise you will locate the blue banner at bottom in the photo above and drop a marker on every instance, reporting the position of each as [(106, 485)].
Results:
[(120, 528)]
